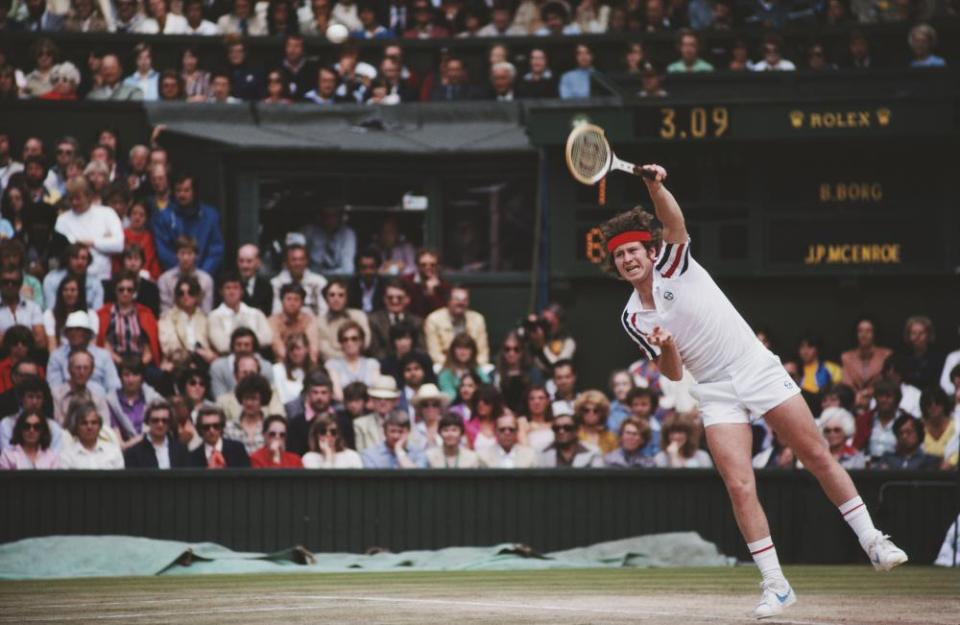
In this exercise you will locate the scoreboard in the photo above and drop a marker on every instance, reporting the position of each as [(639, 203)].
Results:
[(774, 188)]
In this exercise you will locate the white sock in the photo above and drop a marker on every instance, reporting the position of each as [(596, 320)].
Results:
[(857, 516), (765, 555)]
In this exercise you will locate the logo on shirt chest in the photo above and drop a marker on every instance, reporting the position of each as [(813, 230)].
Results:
[(668, 295)]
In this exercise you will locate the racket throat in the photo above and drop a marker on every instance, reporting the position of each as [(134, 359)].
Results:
[(620, 165)]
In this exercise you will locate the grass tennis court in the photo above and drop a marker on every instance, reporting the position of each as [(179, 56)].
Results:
[(847, 595)]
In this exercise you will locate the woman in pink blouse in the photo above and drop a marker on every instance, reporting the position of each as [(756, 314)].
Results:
[(30, 445)]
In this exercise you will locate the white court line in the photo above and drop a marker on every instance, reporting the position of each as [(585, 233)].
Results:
[(641, 614), (88, 604)]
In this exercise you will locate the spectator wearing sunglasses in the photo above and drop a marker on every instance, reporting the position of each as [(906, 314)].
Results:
[(216, 451), (33, 397), (507, 453), (838, 426), (126, 328), (158, 449), (327, 448), (274, 454), (395, 311), (567, 450), (183, 328), (30, 445), (590, 411)]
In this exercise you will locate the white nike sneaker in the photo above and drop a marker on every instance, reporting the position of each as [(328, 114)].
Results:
[(777, 595), (884, 555)]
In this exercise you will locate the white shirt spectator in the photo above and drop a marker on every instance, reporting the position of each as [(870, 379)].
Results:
[(288, 389), (312, 283), (27, 314), (8, 170), (224, 320), (347, 15), (346, 459), (783, 65), (206, 28), (103, 456), (230, 25), (163, 454), (99, 225), (910, 400), (175, 25)]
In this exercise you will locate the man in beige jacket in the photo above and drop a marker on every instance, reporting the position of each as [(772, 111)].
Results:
[(445, 323), (183, 328)]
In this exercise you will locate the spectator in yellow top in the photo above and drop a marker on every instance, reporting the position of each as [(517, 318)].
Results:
[(939, 428), (590, 411), (816, 373)]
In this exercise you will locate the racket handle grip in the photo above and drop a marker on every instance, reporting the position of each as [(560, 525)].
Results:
[(649, 175)]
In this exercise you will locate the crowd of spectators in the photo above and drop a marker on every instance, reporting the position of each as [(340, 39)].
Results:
[(131, 337), (346, 78)]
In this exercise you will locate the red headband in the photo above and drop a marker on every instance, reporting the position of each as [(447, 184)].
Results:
[(631, 236)]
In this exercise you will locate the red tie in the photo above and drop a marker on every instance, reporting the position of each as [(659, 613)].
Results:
[(216, 460)]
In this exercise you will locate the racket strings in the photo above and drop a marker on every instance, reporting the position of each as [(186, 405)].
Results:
[(589, 154)]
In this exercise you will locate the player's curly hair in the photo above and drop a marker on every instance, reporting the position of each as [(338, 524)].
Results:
[(633, 219)]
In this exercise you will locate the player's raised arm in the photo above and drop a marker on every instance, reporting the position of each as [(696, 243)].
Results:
[(665, 205)]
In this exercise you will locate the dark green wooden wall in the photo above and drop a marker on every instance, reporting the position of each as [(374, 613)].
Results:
[(549, 510)]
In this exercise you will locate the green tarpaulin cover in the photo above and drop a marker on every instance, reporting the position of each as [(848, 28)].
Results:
[(110, 556)]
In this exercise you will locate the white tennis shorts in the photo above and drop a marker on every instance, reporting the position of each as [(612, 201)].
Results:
[(756, 386)]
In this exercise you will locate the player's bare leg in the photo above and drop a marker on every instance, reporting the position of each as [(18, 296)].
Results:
[(730, 444), (795, 426)]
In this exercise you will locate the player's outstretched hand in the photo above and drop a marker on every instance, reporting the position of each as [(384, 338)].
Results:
[(661, 337), (660, 174)]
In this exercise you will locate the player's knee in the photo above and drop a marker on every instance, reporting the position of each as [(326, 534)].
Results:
[(816, 459), (742, 490)]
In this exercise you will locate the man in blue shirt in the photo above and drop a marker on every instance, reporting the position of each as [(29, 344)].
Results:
[(79, 335), (191, 217), (393, 453), (923, 39), (576, 82), (332, 243)]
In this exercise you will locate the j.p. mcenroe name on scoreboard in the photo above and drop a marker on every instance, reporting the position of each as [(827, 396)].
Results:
[(828, 120), (853, 254)]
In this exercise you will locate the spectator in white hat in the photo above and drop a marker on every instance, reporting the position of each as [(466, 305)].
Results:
[(429, 403), (368, 429), (79, 334)]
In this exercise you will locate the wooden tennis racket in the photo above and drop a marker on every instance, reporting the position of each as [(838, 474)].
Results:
[(590, 159)]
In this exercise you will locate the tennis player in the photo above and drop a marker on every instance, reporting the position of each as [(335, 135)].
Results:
[(680, 318)]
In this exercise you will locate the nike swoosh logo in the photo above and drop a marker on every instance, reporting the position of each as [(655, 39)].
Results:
[(782, 598), (876, 559)]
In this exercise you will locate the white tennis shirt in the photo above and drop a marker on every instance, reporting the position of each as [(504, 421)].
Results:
[(709, 332)]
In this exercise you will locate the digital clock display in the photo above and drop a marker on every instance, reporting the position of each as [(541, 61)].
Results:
[(683, 123)]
